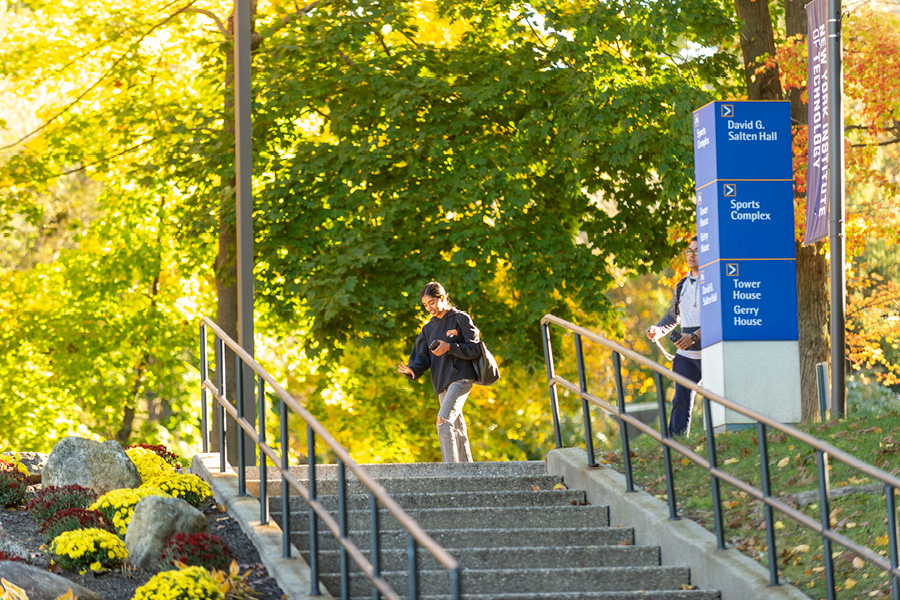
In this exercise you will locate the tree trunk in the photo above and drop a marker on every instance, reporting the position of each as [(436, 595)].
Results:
[(812, 268), (812, 306), (758, 40)]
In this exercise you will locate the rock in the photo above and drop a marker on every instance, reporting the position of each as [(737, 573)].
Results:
[(101, 467), (156, 520), (11, 548), (40, 584)]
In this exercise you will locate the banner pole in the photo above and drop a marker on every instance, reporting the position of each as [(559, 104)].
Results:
[(836, 189)]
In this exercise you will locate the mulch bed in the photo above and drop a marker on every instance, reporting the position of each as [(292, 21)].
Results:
[(120, 584)]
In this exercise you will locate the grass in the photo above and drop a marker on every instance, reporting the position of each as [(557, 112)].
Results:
[(860, 515)]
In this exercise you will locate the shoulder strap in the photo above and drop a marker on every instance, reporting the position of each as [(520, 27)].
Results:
[(678, 287)]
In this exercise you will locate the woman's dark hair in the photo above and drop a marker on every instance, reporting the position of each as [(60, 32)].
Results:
[(433, 289)]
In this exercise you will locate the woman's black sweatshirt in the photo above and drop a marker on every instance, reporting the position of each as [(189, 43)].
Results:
[(457, 329)]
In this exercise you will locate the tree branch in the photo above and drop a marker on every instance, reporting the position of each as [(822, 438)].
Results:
[(300, 12), (212, 16), (105, 74)]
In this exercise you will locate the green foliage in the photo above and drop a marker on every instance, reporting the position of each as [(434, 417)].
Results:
[(519, 154)]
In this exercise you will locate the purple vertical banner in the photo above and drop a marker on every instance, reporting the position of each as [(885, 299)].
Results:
[(817, 168)]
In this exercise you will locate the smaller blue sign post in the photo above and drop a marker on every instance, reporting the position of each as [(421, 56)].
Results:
[(748, 280)]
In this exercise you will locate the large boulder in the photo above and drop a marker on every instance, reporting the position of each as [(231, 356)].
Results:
[(99, 466), (156, 520), (40, 584)]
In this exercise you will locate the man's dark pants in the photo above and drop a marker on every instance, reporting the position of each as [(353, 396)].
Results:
[(683, 401)]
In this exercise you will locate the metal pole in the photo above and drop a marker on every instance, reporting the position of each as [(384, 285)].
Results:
[(554, 400), (836, 225), (375, 558), (623, 426), (585, 409), (242, 462), (285, 488), (313, 518), (204, 375), (243, 169), (263, 473)]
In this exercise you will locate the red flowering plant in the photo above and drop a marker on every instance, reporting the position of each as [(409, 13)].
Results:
[(12, 486), (55, 499), (71, 519), (160, 450), (197, 549)]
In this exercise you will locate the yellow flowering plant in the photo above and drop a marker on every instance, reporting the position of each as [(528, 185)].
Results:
[(187, 486), (14, 461), (190, 583), (87, 549), (149, 464), (118, 505)]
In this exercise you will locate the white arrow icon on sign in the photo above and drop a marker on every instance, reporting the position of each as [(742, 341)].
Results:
[(731, 269), (727, 110), (730, 189)]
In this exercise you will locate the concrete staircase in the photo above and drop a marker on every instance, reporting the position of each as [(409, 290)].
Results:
[(517, 532)]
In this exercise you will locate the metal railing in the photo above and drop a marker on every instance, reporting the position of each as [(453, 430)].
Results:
[(416, 536), (823, 450)]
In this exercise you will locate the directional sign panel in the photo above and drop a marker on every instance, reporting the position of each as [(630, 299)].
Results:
[(745, 221), (748, 300), (741, 219), (742, 140)]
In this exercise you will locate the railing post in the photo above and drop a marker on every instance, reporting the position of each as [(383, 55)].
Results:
[(220, 367), (455, 584), (342, 521), (767, 492), (825, 513), (554, 400), (242, 462), (413, 558), (714, 481), (204, 375), (285, 488), (585, 410), (623, 426), (263, 471), (375, 558), (890, 501), (667, 452), (313, 518)]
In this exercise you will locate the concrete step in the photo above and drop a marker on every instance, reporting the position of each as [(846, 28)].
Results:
[(454, 540), (446, 500), (508, 581), (480, 470), (524, 557), (617, 595), (410, 485), (485, 517)]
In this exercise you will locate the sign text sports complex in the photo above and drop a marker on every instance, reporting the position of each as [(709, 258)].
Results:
[(745, 221)]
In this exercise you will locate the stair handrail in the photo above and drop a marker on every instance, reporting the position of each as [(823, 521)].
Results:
[(823, 450), (416, 536)]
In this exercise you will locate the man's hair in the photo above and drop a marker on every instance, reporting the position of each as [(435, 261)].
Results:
[(694, 239)]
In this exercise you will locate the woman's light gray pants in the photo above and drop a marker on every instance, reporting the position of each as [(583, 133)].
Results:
[(452, 433)]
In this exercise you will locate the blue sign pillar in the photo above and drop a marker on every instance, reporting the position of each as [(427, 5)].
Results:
[(745, 232)]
